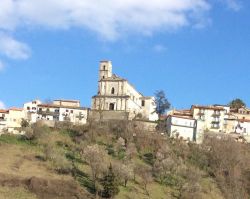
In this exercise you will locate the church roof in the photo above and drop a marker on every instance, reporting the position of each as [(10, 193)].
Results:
[(113, 78)]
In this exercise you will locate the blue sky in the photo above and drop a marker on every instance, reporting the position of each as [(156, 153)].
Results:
[(197, 51)]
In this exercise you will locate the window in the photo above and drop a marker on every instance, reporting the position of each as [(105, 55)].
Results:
[(34, 108), (103, 77), (111, 106), (71, 111), (113, 90), (143, 103), (28, 108), (56, 110), (104, 67), (55, 118), (67, 110)]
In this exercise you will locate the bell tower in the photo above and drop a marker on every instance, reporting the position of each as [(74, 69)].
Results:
[(105, 69)]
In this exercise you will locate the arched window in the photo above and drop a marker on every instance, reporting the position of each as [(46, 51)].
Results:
[(111, 106), (104, 67), (113, 90)]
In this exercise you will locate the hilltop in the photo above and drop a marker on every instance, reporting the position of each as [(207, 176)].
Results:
[(70, 161)]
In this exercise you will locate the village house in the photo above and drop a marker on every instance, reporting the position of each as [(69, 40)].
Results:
[(210, 117), (11, 120), (3, 119), (118, 99), (217, 119), (182, 125), (30, 110), (63, 110)]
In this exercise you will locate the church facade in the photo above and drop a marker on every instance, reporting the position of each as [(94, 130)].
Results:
[(116, 94)]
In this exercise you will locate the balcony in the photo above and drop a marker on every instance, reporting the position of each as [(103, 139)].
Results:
[(215, 122), (200, 113), (215, 127), (216, 114), (48, 113)]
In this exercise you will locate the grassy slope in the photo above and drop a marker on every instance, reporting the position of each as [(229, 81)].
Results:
[(20, 158), (17, 193)]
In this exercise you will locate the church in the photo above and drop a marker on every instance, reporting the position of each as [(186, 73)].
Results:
[(117, 97)]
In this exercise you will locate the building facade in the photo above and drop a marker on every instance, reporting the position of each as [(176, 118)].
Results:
[(182, 127), (212, 118), (116, 94), (63, 110)]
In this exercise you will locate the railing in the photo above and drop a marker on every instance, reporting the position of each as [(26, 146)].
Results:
[(48, 113), (215, 127), (215, 121), (200, 113), (216, 114)]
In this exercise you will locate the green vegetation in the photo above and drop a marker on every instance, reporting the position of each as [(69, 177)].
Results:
[(108, 159), (237, 103)]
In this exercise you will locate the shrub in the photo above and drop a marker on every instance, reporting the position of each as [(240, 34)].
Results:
[(57, 156), (110, 184)]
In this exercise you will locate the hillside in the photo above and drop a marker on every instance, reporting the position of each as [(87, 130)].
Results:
[(73, 162)]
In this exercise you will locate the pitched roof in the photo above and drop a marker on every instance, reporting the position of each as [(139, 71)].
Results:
[(16, 109), (60, 106), (208, 107), (113, 78), (63, 100)]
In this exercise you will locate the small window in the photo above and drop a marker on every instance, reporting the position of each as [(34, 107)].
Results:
[(71, 111), (103, 77), (113, 90), (34, 108), (104, 67), (28, 108), (67, 110), (143, 103), (111, 106)]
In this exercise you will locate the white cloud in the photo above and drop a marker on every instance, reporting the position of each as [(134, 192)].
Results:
[(1, 65), (12, 48), (233, 4), (159, 48), (109, 18), (2, 105)]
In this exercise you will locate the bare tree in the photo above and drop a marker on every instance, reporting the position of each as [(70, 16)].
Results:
[(95, 156), (131, 151), (124, 172), (227, 160), (146, 175)]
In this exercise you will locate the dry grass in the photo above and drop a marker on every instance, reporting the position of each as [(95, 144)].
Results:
[(16, 192), (23, 161)]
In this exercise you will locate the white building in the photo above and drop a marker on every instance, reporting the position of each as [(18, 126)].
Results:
[(116, 94), (30, 110), (63, 110), (11, 120), (211, 118), (3, 119), (181, 125)]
